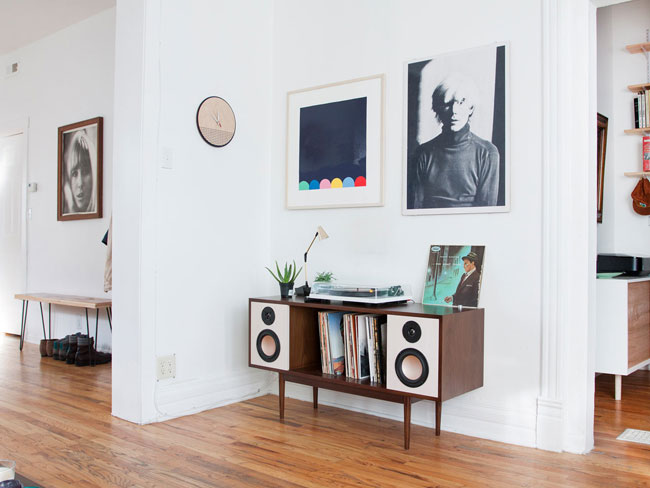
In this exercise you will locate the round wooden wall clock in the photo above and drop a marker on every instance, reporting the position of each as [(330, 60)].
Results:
[(216, 121)]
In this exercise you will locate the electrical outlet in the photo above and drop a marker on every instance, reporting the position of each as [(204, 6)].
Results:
[(166, 367)]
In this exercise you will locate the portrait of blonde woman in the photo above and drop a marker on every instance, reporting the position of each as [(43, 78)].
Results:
[(80, 170)]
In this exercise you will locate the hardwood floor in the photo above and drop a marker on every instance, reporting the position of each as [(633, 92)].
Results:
[(55, 422)]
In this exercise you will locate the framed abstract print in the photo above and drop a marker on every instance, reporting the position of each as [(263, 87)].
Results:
[(334, 145)]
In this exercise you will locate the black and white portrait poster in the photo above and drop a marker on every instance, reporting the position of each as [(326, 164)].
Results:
[(80, 170), (456, 133)]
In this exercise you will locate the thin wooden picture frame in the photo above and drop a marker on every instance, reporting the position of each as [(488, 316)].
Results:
[(80, 170), (602, 123), (335, 137)]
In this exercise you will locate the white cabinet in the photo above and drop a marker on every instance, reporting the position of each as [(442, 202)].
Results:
[(623, 326)]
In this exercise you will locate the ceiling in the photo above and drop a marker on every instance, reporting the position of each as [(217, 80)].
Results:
[(25, 21)]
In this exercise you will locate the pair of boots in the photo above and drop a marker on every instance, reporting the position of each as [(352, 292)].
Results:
[(65, 349), (75, 349), (46, 347), (86, 353)]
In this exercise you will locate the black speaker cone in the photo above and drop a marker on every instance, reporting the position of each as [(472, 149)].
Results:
[(411, 368), (268, 315), (268, 345), (412, 331)]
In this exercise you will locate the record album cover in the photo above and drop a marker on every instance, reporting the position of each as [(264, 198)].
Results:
[(454, 275)]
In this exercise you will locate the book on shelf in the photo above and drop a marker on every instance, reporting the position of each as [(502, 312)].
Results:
[(324, 349), (646, 153), (641, 108), (335, 336), (362, 345), (375, 326), (351, 344), (356, 346), (331, 340)]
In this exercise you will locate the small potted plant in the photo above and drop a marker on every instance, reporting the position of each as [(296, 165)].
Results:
[(286, 278), (324, 276)]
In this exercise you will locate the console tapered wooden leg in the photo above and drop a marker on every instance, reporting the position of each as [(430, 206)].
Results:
[(407, 422), (281, 394), (315, 397), (438, 415)]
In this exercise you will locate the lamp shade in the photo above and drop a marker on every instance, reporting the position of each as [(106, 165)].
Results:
[(322, 234)]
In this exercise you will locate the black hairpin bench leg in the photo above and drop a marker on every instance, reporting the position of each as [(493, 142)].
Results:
[(96, 329), (92, 356), (23, 323), (42, 320)]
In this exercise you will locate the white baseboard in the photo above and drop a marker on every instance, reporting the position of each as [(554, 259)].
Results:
[(461, 416), (550, 424), (576, 444), (185, 398)]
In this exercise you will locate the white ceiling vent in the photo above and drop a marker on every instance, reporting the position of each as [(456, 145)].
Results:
[(12, 69)]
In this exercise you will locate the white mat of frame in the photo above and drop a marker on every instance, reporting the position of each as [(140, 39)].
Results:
[(634, 435)]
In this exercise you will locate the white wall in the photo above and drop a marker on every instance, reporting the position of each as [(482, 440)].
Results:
[(379, 243), (194, 238), (64, 78), (623, 230), (190, 250)]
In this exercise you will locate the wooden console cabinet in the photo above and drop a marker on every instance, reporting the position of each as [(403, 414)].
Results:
[(622, 327), (284, 337)]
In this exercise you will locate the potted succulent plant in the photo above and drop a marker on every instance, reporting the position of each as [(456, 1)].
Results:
[(324, 276), (286, 278)]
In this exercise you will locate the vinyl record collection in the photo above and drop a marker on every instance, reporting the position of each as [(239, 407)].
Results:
[(353, 345)]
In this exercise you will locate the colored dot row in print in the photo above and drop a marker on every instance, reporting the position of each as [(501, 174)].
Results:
[(335, 183)]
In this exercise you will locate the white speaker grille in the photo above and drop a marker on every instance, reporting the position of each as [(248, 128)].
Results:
[(275, 320)]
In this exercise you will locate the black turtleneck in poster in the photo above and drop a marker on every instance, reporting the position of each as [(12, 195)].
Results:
[(456, 169)]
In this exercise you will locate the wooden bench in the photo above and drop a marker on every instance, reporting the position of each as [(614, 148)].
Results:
[(65, 300)]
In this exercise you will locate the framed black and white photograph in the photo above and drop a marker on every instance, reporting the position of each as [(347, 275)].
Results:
[(456, 133), (80, 150), (334, 145)]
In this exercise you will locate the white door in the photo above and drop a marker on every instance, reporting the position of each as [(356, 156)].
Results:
[(13, 255)]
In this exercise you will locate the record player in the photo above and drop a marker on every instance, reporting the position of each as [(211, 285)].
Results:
[(360, 293)]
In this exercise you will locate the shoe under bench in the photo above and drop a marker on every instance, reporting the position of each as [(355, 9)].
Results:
[(86, 303)]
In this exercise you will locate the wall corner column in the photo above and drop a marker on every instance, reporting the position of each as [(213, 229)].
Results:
[(565, 403)]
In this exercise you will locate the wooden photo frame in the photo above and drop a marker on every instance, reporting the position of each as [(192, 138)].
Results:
[(602, 148), (335, 145), (79, 189)]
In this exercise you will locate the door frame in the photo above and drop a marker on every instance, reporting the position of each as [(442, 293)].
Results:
[(10, 128)]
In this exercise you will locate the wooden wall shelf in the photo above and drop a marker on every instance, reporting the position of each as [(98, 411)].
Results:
[(642, 130), (637, 173), (639, 87), (638, 48)]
